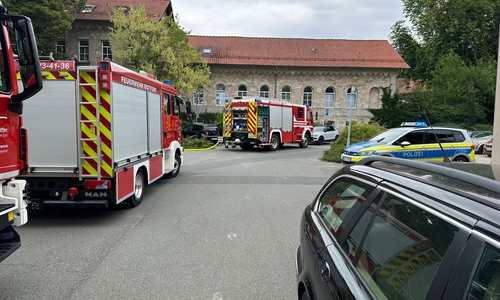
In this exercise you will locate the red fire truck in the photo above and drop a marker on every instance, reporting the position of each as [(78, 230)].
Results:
[(266, 123), (13, 145), (99, 135)]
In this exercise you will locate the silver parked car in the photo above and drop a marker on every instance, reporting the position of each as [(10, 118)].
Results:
[(479, 142), (323, 134)]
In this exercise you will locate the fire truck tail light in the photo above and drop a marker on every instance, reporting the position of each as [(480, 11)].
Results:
[(97, 184), (104, 70), (72, 192)]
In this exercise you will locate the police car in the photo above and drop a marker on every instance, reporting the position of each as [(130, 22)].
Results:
[(415, 141)]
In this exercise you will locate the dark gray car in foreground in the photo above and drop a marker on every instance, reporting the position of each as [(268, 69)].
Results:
[(388, 228)]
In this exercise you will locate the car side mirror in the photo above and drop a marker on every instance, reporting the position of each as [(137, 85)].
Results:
[(405, 143)]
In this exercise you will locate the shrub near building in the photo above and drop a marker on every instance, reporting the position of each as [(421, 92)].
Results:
[(359, 133)]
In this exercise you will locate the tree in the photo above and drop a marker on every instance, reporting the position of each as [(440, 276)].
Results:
[(159, 47), (51, 19), (471, 90), (467, 28)]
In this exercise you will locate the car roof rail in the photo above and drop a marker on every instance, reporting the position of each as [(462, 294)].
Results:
[(440, 169)]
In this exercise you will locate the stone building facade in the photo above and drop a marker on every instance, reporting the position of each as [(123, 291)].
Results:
[(88, 39), (327, 75), (321, 81)]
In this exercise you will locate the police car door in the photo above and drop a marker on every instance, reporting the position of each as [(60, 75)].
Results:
[(417, 148)]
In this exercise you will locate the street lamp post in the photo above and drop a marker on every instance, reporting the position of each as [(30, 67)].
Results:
[(350, 95)]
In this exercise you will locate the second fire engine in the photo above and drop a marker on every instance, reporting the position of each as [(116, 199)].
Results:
[(266, 123), (99, 134)]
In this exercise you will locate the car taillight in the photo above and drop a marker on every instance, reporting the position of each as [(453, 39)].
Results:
[(472, 147), (206, 132), (97, 184)]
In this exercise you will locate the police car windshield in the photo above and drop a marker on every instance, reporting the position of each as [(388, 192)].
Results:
[(388, 136)]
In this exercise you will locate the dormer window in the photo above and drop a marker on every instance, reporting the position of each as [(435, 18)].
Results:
[(207, 51), (88, 9), (124, 8)]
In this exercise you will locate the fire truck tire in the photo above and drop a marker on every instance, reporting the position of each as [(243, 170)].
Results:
[(136, 199), (177, 168), (305, 141), (275, 142), (246, 146)]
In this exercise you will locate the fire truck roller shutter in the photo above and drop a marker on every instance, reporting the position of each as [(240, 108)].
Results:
[(154, 122), (287, 119), (130, 125), (52, 118)]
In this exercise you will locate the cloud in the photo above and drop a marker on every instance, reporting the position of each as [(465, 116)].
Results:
[(328, 19)]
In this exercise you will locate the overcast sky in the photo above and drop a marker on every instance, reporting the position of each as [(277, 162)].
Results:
[(322, 19)]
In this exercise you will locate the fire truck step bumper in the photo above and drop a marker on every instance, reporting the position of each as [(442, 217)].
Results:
[(9, 242), (76, 204)]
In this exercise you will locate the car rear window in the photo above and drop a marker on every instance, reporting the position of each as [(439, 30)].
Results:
[(445, 136), (342, 196), (399, 249)]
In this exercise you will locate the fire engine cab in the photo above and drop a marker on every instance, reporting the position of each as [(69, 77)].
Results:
[(266, 123), (99, 134), (18, 53)]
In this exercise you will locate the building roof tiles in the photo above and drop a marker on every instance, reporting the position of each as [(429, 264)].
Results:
[(105, 7), (300, 52)]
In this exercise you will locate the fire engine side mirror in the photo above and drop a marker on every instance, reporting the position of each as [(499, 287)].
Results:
[(21, 29)]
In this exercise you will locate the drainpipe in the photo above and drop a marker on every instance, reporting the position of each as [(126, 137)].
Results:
[(275, 82)]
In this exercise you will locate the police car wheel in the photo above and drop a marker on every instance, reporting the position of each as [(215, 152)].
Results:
[(460, 159), (136, 199)]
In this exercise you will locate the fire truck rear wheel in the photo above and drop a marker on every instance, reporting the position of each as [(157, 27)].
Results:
[(275, 142), (136, 199)]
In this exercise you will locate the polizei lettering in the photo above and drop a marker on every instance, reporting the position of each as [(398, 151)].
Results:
[(413, 154), (137, 84)]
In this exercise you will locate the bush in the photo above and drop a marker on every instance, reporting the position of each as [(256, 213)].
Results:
[(359, 133), (193, 142)]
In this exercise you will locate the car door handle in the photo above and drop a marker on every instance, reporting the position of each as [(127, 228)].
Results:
[(325, 271)]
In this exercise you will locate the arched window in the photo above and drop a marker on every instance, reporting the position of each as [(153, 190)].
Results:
[(307, 96), (264, 91), (286, 93), (352, 97), (242, 91), (220, 94), (198, 97), (329, 97)]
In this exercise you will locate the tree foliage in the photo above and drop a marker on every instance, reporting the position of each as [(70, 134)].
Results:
[(159, 47), (51, 19), (466, 28)]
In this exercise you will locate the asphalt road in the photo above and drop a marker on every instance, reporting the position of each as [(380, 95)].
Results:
[(226, 228)]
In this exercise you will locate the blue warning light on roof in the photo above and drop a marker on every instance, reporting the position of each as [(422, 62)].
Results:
[(414, 124)]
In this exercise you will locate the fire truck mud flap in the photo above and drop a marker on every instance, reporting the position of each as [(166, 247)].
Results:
[(9, 242)]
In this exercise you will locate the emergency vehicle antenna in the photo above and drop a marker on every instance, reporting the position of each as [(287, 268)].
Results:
[(445, 157)]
